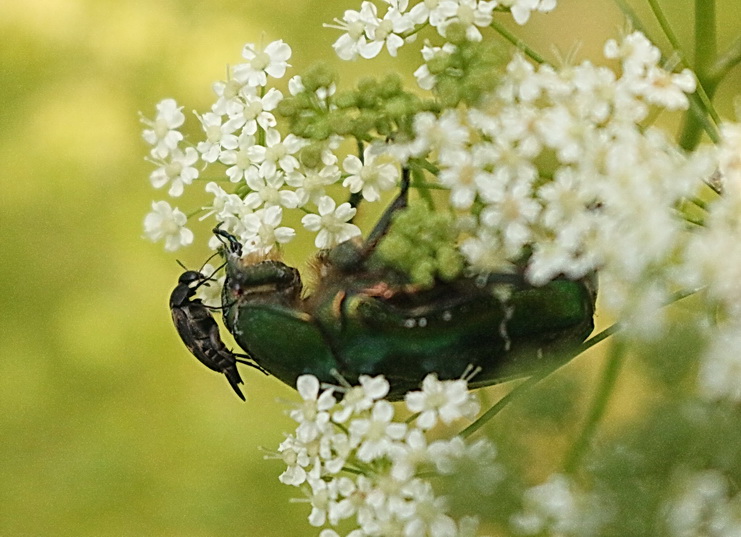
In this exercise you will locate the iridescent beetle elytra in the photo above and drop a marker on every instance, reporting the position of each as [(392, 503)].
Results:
[(364, 318)]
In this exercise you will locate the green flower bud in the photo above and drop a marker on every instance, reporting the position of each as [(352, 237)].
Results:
[(422, 244)]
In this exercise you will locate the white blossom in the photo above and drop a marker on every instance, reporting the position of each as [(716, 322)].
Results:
[(719, 377), (354, 42), (331, 224), (471, 14), (371, 176), (375, 435), (268, 191), (312, 414), (210, 292), (358, 399), (177, 169), (271, 61), (262, 228), (168, 224), (558, 507), (704, 507), (218, 136), (252, 111), (162, 133), (311, 183), (241, 160), (445, 400), (278, 153), (521, 9), (386, 31)]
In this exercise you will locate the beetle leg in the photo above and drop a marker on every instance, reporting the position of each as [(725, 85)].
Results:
[(384, 223), (239, 358)]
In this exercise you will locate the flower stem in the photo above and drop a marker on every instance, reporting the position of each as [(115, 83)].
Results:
[(706, 48), (705, 58), (540, 375), (517, 42), (666, 28), (630, 14), (725, 62), (532, 381), (599, 405)]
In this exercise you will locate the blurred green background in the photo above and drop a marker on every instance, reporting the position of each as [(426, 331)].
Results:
[(108, 426)]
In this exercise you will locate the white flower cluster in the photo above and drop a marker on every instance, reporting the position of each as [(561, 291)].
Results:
[(353, 460), (704, 507), (559, 507), (609, 203), (241, 136), (712, 259), (366, 32), (561, 163)]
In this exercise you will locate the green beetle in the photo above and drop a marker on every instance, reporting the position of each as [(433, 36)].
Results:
[(366, 319)]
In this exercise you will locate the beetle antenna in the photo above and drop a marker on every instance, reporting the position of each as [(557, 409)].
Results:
[(206, 261), (200, 271), (217, 269)]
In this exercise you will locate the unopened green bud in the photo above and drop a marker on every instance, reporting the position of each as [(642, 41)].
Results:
[(390, 86), (449, 263), (319, 76), (341, 123), (311, 155), (287, 107), (456, 34), (421, 244), (345, 99), (423, 273)]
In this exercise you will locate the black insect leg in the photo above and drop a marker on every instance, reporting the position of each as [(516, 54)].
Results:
[(246, 359), (384, 223)]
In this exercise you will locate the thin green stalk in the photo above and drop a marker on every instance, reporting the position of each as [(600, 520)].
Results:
[(537, 377), (725, 62), (706, 46), (705, 58), (517, 42), (599, 405), (696, 118), (503, 402), (532, 381), (629, 14), (666, 28)]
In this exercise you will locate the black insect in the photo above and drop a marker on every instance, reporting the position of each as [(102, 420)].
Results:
[(199, 331)]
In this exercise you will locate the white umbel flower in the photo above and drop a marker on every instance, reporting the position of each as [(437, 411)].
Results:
[(331, 224), (168, 224), (271, 61), (162, 133), (444, 400), (371, 176)]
